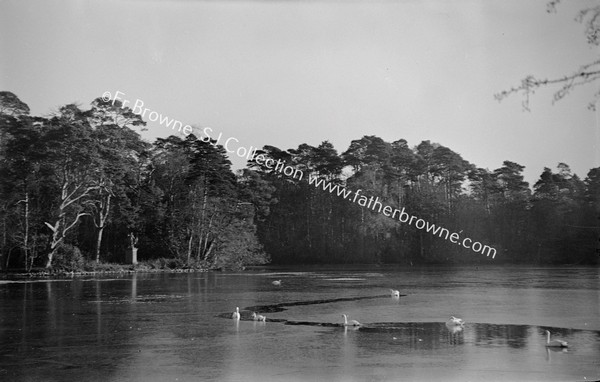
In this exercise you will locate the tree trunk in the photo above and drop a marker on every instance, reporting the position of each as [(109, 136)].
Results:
[(50, 257), (98, 244), (56, 239), (308, 213), (103, 217), (189, 252), (26, 238), (209, 250), (3, 262), (67, 199), (59, 235), (201, 223), (208, 231)]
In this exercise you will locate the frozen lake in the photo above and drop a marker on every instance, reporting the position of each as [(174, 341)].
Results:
[(172, 327)]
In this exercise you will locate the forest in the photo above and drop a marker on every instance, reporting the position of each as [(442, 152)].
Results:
[(80, 188)]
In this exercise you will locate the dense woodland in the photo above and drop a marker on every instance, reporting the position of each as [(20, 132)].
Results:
[(81, 187)]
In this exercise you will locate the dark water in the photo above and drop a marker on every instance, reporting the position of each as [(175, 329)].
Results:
[(172, 327)]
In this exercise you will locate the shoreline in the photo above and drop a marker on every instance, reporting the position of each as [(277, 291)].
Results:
[(61, 275)]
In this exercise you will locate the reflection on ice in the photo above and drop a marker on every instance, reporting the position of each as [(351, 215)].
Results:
[(550, 350)]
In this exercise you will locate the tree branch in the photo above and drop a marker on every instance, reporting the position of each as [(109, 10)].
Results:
[(74, 222), (586, 74)]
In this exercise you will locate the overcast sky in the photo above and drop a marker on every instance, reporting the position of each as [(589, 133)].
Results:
[(284, 73)]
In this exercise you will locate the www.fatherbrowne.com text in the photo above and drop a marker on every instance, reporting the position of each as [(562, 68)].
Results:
[(402, 216), (250, 154)]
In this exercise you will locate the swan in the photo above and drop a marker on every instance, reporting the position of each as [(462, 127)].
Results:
[(455, 321), (454, 329), (555, 343), (395, 293), (236, 315), (276, 282), (258, 317), (351, 323)]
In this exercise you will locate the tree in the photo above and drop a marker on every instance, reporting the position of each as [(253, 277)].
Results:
[(367, 150), (592, 182), (199, 200), (257, 191), (71, 169), (400, 170), (585, 74), (113, 113), (20, 186), (120, 151), (11, 105), (559, 216), (238, 246), (213, 189)]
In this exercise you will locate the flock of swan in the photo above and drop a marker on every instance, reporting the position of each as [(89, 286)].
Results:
[(454, 323), (256, 317)]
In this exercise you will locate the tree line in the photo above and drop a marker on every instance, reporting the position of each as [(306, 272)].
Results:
[(81, 187), (555, 223)]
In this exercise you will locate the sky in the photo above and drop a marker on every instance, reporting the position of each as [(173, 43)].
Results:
[(283, 73)]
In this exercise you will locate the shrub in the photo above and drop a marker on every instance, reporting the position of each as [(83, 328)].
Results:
[(68, 258), (240, 247)]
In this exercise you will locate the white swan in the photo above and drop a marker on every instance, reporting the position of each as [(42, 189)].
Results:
[(351, 323), (455, 321), (258, 317), (555, 343), (236, 315), (454, 328), (395, 293), (276, 282)]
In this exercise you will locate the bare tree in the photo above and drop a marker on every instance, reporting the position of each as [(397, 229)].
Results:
[(585, 74)]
